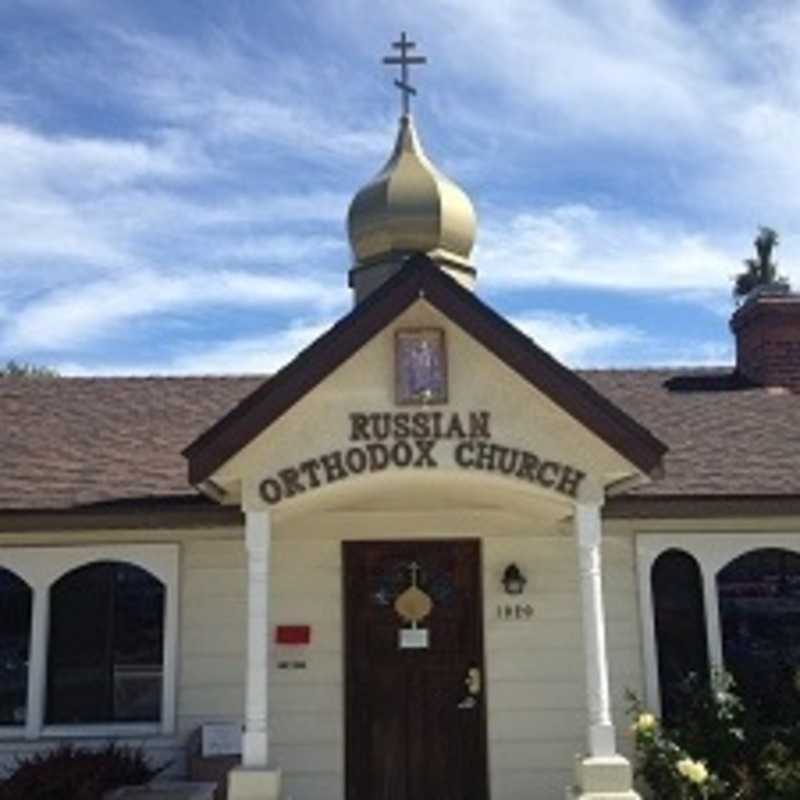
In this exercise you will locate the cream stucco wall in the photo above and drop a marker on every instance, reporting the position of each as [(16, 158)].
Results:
[(534, 670)]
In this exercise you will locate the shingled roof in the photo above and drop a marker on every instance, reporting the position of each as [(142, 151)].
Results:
[(78, 442)]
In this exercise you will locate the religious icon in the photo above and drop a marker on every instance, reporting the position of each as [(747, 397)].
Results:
[(420, 367)]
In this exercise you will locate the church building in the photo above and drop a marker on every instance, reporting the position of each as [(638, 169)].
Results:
[(423, 561)]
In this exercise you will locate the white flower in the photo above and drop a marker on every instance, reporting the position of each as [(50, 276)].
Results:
[(644, 723), (693, 771)]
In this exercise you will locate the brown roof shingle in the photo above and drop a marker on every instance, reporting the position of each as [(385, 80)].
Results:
[(724, 437), (67, 442), (70, 442)]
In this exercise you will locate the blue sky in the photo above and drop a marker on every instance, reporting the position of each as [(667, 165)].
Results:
[(175, 175)]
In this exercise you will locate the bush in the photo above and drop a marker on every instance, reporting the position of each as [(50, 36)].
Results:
[(715, 748), (76, 773)]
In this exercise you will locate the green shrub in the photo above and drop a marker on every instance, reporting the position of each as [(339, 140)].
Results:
[(76, 773), (715, 748)]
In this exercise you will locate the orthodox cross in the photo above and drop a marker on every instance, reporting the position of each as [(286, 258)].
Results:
[(414, 568), (404, 60)]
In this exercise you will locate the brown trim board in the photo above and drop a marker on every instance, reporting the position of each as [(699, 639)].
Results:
[(701, 506), (138, 513), (420, 277)]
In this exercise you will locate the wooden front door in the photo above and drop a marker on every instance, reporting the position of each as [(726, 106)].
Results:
[(416, 716)]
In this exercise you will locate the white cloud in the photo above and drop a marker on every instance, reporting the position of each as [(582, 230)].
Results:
[(70, 201), (581, 342), (694, 116), (583, 246), (48, 185), (41, 229), (690, 354), (613, 68), (71, 317), (226, 94), (251, 355), (574, 338), (278, 249), (75, 164), (694, 109)]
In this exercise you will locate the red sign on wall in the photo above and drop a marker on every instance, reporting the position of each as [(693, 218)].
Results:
[(293, 634)]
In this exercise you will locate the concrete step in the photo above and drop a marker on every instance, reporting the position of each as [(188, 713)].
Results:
[(166, 790)]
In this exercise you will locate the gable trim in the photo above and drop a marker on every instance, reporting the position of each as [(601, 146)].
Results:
[(421, 278)]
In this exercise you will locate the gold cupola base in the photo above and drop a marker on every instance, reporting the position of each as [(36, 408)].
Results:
[(363, 279), (409, 207)]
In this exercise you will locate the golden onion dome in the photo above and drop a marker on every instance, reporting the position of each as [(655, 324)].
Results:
[(410, 207)]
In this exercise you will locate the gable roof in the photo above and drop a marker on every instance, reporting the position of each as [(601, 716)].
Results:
[(72, 442), (113, 444), (420, 277)]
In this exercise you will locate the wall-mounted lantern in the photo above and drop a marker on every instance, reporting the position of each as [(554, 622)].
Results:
[(513, 580)]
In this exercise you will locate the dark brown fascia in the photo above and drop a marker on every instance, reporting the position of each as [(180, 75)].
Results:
[(123, 517), (666, 507), (141, 515), (420, 277), (306, 371), (563, 386)]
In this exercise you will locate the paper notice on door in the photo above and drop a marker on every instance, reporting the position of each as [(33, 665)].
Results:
[(414, 639)]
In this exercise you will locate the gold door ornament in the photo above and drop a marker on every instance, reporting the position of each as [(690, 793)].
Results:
[(413, 605)]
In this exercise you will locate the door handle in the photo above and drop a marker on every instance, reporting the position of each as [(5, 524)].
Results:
[(473, 681)]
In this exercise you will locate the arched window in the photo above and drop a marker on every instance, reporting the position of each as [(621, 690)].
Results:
[(680, 624), (759, 604), (106, 650), (16, 599)]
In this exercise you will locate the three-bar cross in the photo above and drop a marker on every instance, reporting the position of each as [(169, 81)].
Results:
[(404, 60)]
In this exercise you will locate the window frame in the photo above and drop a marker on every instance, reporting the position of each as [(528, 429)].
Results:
[(40, 568), (713, 552), (14, 730)]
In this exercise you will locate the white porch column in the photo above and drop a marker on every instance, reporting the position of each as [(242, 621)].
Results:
[(588, 525), (603, 774), (255, 780), (255, 745)]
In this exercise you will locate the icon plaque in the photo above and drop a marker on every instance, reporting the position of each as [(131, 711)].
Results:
[(420, 367)]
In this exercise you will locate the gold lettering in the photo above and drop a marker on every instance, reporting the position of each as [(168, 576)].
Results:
[(402, 426), (421, 425), (356, 460), (358, 427), (270, 490), (291, 481), (311, 469), (424, 453), (527, 469), (333, 466), (548, 467), (570, 481), (402, 453), (479, 425), (455, 430), (462, 451)]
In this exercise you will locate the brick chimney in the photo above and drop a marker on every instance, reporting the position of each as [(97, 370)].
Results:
[(767, 330)]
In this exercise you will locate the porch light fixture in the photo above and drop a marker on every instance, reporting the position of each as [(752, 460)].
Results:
[(513, 580)]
